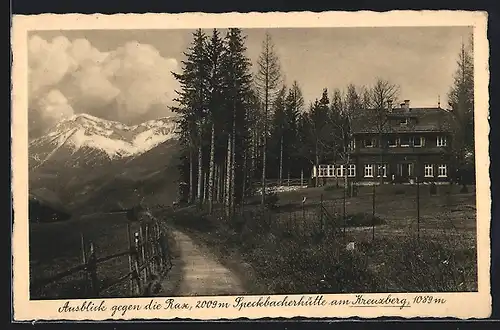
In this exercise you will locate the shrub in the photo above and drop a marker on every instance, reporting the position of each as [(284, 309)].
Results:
[(433, 189), (399, 191), (330, 188), (363, 220), (271, 199)]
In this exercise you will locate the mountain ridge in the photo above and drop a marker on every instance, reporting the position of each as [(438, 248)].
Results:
[(87, 161)]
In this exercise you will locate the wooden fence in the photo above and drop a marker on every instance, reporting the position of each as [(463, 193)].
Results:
[(148, 259)]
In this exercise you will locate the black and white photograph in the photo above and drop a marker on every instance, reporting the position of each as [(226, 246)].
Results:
[(246, 161)]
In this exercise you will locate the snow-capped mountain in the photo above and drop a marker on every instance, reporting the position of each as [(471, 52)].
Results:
[(91, 140)]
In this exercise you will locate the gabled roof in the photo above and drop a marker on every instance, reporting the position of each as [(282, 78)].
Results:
[(423, 120)]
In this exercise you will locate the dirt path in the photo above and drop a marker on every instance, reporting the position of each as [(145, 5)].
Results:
[(202, 274)]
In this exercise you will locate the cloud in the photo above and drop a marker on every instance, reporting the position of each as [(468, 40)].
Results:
[(131, 83)]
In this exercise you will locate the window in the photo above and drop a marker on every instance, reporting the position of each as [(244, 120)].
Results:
[(403, 122), (441, 141), (405, 141), (351, 171), (331, 170), (418, 141), (323, 170), (392, 142), (428, 171), (340, 170), (368, 171), (442, 171), (352, 144), (382, 170), (369, 143)]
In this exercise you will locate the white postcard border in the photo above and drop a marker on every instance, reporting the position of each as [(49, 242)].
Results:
[(459, 305)]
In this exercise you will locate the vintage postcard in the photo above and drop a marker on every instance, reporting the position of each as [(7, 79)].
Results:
[(223, 166)]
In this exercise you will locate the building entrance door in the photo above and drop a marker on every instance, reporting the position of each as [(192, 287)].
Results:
[(406, 170)]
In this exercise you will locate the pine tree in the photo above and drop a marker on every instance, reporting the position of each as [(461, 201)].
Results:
[(461, 101), (192, 100), (294, 105), (237, 88), (215, 52), (268, 80), (278, 127)]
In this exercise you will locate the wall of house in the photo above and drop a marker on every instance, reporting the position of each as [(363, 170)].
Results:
[(429, 142), (418, 168)]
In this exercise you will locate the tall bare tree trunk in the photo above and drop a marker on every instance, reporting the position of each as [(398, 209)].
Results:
[(205, 187), (253, 156), (222, 174), (200, 174), (233, 164), (227, 192), (380, 167), (245, 178), (316, 161), (281, 162), (264, 160), (211, 170), (191, 176)]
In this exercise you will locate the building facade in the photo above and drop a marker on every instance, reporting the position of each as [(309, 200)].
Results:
[(402, 145)]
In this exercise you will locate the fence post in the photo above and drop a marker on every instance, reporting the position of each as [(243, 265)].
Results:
[(153, 248), (92, 269), (84, 262), (147, 253), (141, 246), (418, 209), (344, 212), (136, 263), (130, 253), (373, 213), (303, 221), (158, 243), (321, 218)]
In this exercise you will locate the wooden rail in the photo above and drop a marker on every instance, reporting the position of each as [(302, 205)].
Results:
[(148, 256)]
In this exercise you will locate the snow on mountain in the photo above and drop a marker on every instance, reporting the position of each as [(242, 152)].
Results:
[(83, 132)]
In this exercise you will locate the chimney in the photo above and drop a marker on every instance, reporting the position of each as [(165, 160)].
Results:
[(389, 105), (406, 105)]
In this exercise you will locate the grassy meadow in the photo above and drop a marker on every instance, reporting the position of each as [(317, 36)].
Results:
[(295, 248), (56, 247)]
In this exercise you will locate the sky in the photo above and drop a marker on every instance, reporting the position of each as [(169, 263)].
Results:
[(125, 75)]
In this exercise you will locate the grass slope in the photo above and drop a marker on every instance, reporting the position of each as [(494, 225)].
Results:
[(283, 259)]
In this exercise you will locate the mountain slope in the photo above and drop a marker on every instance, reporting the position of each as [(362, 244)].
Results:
[(89, 162)]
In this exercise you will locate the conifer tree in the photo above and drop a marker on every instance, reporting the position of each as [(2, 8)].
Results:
[(267, 80)]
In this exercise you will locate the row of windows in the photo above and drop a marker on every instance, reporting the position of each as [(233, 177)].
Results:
[(406, 141), (332, 171), (369, 168), (442, 170)]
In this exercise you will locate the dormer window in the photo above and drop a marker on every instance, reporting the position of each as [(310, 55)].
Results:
[(405, 141), (441, 141), (369, 143), (418, 141), (403, 121), (392, 142)]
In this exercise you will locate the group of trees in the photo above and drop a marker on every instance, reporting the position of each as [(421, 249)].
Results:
[(239, 128), (216, 103), (461, 103)]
